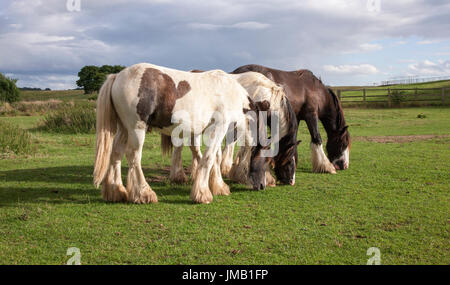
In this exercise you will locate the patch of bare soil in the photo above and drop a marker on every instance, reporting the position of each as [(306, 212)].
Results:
[(400, 139)]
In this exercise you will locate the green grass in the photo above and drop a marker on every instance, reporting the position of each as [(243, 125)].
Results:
[(14, 140), (394, 196), (71, 119)]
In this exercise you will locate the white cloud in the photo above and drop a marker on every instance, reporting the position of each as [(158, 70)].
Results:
[(351, 69), (428, 67), (240, 25), (370, 47), (427, 42)]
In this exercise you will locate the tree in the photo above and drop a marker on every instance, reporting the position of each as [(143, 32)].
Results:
[(92, 77), (8, 89)]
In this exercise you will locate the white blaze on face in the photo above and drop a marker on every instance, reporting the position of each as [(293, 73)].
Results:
[(345, 157), (293, 177)]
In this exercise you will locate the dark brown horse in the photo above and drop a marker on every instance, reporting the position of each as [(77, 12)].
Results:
[(312, 101)]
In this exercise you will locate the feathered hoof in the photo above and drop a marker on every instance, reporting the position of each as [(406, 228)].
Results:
[(178, 178), (202, 197), (326, 168), (145, 197), (225, 170), (114, 193), (223, 189)]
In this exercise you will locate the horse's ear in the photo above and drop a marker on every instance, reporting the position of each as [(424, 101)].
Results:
[(263, 105), (298, 142)]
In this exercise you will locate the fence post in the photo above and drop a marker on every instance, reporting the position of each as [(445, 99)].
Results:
[(389, 97), (339, 94), (364, 95), (443, 95)]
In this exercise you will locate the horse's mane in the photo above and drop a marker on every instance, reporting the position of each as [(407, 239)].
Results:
[(340, 121)]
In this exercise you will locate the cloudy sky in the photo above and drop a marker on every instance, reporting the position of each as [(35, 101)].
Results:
[(44, 43)]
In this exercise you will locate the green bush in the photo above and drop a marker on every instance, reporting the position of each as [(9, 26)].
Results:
[(14, 140), (71, 119), (8, 89)]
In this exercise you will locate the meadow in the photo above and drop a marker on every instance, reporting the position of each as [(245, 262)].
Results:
[(395, 196)]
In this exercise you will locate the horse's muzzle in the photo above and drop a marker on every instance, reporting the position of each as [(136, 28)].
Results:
[(340, 165)]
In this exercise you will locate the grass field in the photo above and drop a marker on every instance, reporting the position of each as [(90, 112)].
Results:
[(395, 196)]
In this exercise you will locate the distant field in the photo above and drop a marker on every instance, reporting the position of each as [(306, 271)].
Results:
[(379, 93), (395, 196), (63, 95)]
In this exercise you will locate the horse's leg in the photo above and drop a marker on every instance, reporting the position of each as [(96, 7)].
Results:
[(216, 183), (176, 167), (138, 189), (320, 162), (196, 157), (270, 180), (200, 188), (112, 186), (240, 170), (227, 159)]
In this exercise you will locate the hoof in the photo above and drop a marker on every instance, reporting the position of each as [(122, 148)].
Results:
[(114, 193), (222, 190), (179, 178), (225, 170), (202, 197), (145, 197), (327, 168)]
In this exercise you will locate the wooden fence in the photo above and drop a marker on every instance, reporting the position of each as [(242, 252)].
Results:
[(394, 96)]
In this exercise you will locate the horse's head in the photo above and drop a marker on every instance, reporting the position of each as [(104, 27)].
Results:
[(258, 162), (338, 148), (285, 163), (258, 166)]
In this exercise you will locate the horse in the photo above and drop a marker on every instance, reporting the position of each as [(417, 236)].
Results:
[(312, 101), (146, 96), (250, 167)]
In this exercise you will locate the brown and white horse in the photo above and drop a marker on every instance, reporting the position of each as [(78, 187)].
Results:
[(260, 89), (312, 101), (146, 95)]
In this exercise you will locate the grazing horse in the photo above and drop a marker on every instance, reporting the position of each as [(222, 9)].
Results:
[(250, 167), (148, 96), (312, 101)]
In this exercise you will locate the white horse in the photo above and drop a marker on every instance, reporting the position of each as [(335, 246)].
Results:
[(146, 95), (260, 89)]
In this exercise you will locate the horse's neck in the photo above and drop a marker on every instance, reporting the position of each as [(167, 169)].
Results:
[(282, 114), (330, 122)]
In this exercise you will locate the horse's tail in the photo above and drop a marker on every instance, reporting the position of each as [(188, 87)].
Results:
[(166, 144), (105, 129)]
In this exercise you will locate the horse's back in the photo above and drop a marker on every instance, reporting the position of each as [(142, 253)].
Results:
[(159, 92)]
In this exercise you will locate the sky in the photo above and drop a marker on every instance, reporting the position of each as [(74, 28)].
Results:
[(353, 42)]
